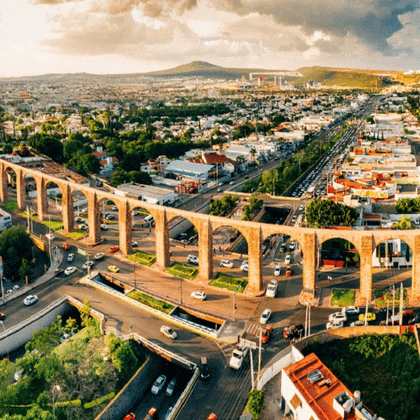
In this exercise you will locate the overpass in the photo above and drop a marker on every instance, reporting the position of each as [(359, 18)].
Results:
[(365, 241)]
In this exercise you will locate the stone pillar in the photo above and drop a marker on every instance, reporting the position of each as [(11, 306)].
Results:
[(41, 197), (94, 218), (309, 249), (415, 279), (126, 228), (205, 249), (366, 251), (255, 275), (162, 239), (67, 208), (3, 183), (20, 189)]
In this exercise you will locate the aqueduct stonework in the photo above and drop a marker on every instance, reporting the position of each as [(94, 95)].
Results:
[(309, 239)]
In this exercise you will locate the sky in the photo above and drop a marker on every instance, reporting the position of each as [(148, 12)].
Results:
[(135, 36)]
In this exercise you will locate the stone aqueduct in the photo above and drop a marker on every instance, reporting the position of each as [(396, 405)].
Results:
[(309, 239)]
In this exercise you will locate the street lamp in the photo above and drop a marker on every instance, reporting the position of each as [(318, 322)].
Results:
[(58, 389)]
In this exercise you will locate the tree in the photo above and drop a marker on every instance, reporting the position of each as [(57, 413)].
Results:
[(404, 223), (255, 403), (47, 144), (25, 269), (320, 213)]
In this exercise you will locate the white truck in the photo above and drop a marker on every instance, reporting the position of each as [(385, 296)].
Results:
[(238, 356)]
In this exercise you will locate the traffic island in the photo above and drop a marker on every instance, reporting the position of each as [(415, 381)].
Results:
[(185, 271)]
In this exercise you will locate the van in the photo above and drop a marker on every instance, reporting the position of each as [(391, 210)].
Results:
[(149, 219)]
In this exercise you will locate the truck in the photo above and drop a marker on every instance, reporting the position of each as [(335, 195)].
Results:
[(294, 331), (238, 356), (66, 246)]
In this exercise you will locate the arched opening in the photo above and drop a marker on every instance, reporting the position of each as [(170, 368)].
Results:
[(11, 184), (143, 236), (338, 276), (230, 259), (80, 212), (109, 221), (392, 263), (53, 208)]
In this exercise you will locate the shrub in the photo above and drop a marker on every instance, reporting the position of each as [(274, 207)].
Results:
[(255, 403)]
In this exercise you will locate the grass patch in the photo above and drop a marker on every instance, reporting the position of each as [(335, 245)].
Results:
[(76, 235), (160, 305), (226, 281), (10, 205), (385, 296), (33, 216), (185, 271), (142, 258), (343, 297), (53, 224)]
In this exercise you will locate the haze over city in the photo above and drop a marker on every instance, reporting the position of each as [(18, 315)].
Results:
[(126, 36)]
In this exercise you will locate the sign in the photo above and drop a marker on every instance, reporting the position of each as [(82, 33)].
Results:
[(248, 343), (81, 251)]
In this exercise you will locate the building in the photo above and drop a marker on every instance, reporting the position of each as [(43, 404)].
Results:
[(5, 220), (148, 193), (310, 391), (189, 170)]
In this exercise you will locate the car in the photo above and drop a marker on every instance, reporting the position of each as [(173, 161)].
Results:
[(192, 259), (283, 247), (351, 310), (109, 217), (204, 368), (266, 334), (357, 324), (114, 208), (168, 332), (99, 256), (113, 268), (15, 287), (265, 316), (294, 331), (272, 288), (238, 356), (114, 249), (69, 270), (104, 227), (134, 213), (87, 263), (226, 263), (219, 190), (199, 295), (244, 266), (152, 414), (130, 416), (370, 317), (333, 325), (70, 257), (288, 259), (79, 219), (134, 244), (292, 246), (66, 246), (337, 316), (158, 384), (30, 300), (2, 316), (277, 270), (231, 182), (49, 236), (171, 386), (64, 337), (169, 413)]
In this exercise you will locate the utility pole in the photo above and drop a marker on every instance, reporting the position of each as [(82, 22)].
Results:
[(88, 267), (401, 303), (252, 370), (259, 356)]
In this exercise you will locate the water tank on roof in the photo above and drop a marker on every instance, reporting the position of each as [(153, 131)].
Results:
[(348, 405), (357, 397)]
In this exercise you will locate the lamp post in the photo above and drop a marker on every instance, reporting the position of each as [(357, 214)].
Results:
[(58, 389)]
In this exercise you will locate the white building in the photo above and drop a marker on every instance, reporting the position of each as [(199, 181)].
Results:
[(148, 193), (5, 220)]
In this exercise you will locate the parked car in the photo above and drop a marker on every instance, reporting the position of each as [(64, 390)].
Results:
[(288, 271), (152, 414), (134, 244), (99, 256), (226, 263), (265, 316), (69, 270), (277, 270), (87, 264), (114, 249), (192, 259), (168, 332), (130, 416), (114, 208), (199, 295), (370, 317), (15, 287), (104, 226), (357, 324), (49, 236), (351, 310), (171, 386), (244, 266), (2, 316), (70, 257), (337, 316), (238, 356), (288, 259), (113, 268), (334, 325), (158, 384), (30, 300), (109, 217)]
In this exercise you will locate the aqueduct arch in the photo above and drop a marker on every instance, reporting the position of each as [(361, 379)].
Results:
[(364, 240)]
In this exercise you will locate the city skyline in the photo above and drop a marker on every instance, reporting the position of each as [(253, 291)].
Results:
[(135, 36)]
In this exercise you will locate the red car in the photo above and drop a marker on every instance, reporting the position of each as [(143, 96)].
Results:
[(130, 416), (151, 415), (2, 316), (266, 334), (114, 249)]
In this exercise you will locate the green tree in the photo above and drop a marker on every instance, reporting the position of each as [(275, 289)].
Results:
[(255, 403), (320, 213), (404, 223), (25, 269)]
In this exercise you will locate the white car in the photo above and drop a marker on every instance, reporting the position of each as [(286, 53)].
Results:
[(334, 325), (114, 208), (30, 300), (168, 332), (69, 270), (99, 256), (357, 323), (158, 384), (231, 182), (277, 270), (226, 263), (292, 246), (244, 265), (16, 287), (288, 259), (104, 227), (70, 257), (134, 243), (192, 259), (134, 213), (265, 316), (198, 295), (238, 356), (351, 310), (49, 236), (271, 288), (87, 263), (337, 316)]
